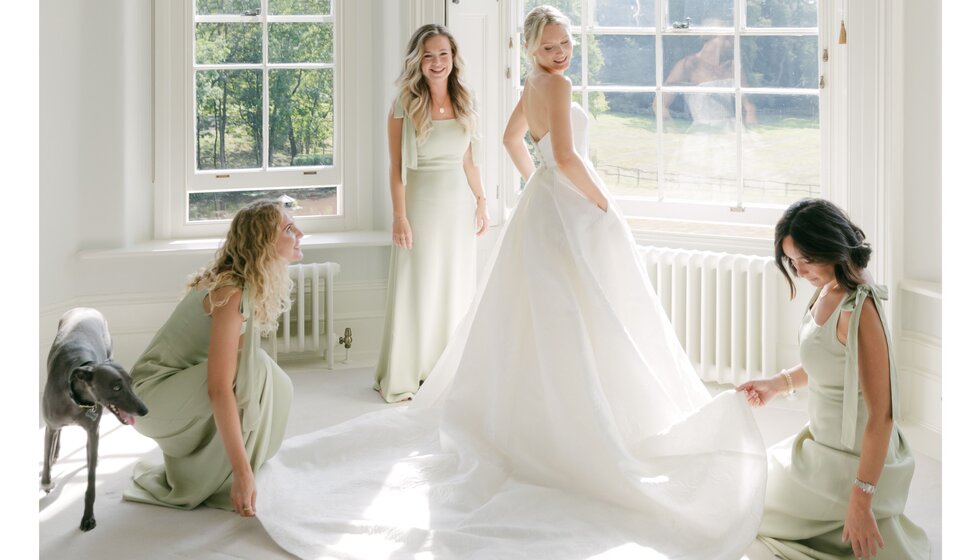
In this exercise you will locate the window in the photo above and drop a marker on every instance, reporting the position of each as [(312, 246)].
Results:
[(253, 107), (704, 111)]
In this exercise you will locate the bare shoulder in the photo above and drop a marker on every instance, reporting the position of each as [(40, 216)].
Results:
[(870, 315), (555, 83), (229, 297), (230, 292)]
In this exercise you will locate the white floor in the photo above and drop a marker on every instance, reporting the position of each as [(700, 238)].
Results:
[(322, 398)]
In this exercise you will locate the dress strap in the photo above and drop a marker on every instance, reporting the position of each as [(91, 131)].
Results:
[(813, 299), (246, 391), (245, 304), (853, 303), (410, 149)]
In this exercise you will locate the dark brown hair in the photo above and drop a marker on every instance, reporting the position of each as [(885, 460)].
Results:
[(824, 234)]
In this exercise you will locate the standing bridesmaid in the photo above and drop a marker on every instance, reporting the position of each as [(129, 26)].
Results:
[(432, 143)]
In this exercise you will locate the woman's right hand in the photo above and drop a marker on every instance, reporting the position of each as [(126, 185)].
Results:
[(401, 233), (243, 493), (760, 391)]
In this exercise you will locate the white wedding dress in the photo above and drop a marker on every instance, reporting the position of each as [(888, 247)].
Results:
[(563, 421)]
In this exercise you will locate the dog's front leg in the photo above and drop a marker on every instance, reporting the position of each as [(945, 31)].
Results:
[(88, 518), (50, 456)]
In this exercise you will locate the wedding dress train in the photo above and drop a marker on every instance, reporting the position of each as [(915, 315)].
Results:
[(563, 420)]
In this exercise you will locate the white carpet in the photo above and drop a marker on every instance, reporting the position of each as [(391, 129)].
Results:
[(322, 398)]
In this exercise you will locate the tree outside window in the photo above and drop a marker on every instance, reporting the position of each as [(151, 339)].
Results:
[(264, 107)]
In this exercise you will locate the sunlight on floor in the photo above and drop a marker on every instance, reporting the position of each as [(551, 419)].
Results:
[(322, 398)]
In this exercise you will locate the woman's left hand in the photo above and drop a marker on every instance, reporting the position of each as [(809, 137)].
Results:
[(861, 528), (243, 493), (482, 217)]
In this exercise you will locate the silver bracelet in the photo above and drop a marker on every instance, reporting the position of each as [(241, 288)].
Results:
[(865, 487)]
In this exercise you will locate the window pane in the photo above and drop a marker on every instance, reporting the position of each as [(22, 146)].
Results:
[(781, 153), (228, 116), (694, 156), (228, 7), (624, 60), (780, 61), (699, 150), (299, 7), (301, 117), (781, 13), (228, 43), (703, 13), (570, 8), (699, 60), (626, 13), (222, 205), (300, 42), (623, 142)]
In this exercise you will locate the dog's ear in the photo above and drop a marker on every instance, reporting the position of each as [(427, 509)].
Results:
[(84, 373)]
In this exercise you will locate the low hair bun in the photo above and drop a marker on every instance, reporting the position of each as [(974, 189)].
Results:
[(861, 255)]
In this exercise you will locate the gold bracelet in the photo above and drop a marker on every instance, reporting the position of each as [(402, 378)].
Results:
[(479, 198), (791, 392)]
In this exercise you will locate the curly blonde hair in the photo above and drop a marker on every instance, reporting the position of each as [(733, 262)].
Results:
[(535, 22), (248, 258), (413, 91)]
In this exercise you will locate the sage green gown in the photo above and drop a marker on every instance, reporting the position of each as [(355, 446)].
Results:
[(810, 474), (431, 285), (172, 379)]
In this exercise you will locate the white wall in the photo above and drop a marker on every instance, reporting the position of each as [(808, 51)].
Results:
[(919, 297), (923, 119), (95, 158), (96, 187)]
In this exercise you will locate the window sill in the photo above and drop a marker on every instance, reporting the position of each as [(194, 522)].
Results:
[(687, 234), (332, 240)]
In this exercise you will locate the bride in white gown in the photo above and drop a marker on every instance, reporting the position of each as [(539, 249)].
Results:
[(563, 420)]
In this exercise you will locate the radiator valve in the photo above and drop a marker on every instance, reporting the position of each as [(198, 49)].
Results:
[(347, 339)]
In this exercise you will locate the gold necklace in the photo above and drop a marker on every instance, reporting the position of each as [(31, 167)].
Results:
[(830, 289), (441, 106)]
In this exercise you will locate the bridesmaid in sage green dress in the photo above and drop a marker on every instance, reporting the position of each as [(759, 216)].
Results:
[(432, 143), (218, 403), (838, 488)]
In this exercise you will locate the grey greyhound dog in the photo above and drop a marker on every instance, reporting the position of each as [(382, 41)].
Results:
[(82, 379)]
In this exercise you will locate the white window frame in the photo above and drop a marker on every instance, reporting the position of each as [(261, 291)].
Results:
[(174, 155), (750, 215)]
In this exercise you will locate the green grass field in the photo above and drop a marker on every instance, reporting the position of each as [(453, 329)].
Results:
[(781, 160)]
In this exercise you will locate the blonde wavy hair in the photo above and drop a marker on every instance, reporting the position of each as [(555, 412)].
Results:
[(413, 91), (535, 22), (249, 258)]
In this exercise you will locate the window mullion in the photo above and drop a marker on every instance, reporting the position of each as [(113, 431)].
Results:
[(739, 26), (586, 34), (661, 19), (265, 85)]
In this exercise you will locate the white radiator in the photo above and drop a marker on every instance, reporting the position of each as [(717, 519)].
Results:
[(307, 326), (723, 308)]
